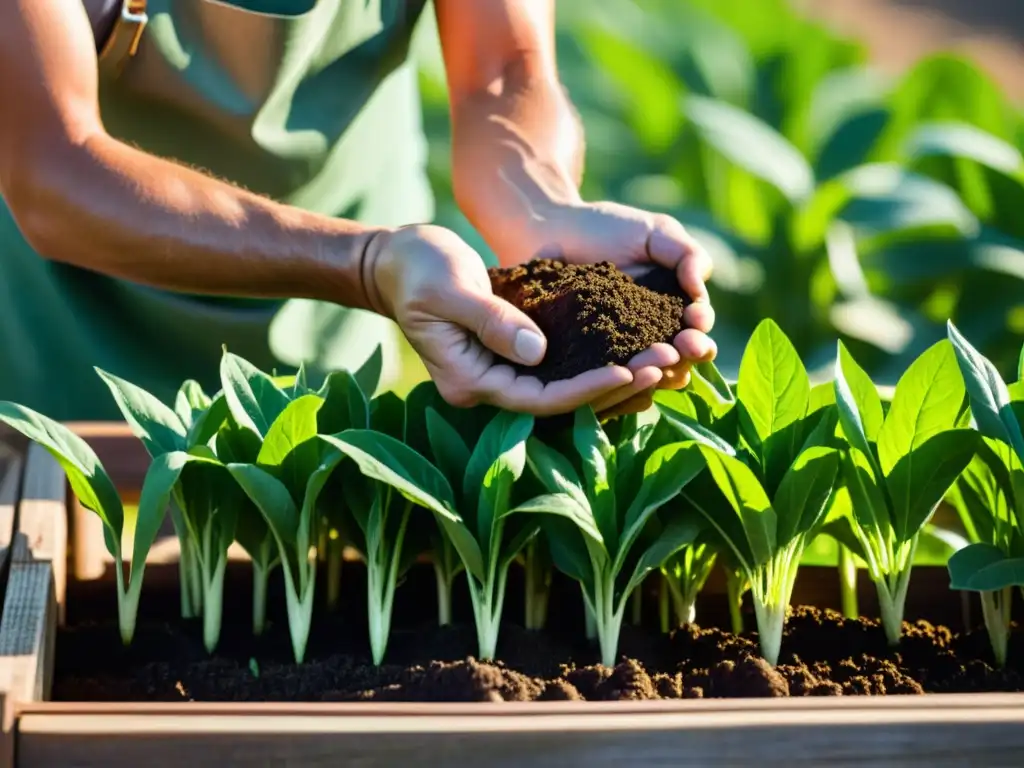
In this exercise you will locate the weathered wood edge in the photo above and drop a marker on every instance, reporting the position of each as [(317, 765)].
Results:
[(898, 731)]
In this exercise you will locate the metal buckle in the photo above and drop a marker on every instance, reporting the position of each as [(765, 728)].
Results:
[(125, 37)]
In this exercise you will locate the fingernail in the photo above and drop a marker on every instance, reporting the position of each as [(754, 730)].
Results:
[(529, 346)]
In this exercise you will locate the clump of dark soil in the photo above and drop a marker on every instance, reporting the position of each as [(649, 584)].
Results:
[(823, 654), (593, 315)]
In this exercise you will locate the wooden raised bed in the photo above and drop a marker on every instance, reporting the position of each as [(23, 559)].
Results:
[(46, 547)]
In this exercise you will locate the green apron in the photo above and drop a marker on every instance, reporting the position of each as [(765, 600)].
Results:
[(310, 102)]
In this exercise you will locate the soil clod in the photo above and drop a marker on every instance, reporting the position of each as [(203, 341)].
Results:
[(593, 315)]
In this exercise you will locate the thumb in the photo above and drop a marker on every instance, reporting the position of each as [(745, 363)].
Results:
[(502, 328)]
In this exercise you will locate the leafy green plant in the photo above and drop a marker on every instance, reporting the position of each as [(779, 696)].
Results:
[(478, 518), (95, 490), (989, 495), (898, 465), (602, 519), (685, 574), (376, 516), (771, 478)]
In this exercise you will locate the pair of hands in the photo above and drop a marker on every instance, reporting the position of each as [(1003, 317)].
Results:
[(436, 288)]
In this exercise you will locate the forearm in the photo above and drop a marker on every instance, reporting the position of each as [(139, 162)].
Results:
[(517, 153), (107, 207)]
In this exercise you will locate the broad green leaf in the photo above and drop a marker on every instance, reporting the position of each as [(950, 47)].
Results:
[(86, 475), (748, 501), (922, 477), (867, 497), (984, 568), (496, 491), (345, 404), (821, 396), (189, 401), (554, 471), (841, 530), (689, 428), (804, 492), (390, 461), (300, 386), (666, 472), (161, 477), (860, 407), (679, 533), (271, 497), (570, 550), (927, 401), (451, 454), (1020, 367), (156, 425), (368, 374), (502, 433), (253, 398), (752, 145), (598, 460), (773, 385), (563, 505), (208, 422), (951, 139), (989, 396), (296, 424), (387, 415)]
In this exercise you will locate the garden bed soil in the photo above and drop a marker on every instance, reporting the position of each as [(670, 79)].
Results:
[(822, 655), (593, 315)]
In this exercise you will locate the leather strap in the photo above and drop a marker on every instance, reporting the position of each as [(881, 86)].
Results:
[(124, 39)]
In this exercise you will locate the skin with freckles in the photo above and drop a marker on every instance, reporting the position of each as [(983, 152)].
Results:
[(82, 198)]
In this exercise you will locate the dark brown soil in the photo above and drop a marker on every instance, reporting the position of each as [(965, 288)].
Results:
[(823, 655), (592, 315)]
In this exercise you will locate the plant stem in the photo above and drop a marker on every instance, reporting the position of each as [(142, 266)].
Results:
[(188, 611), (609, 620), (590, 621), (260, 578), (538, 585), (664, 606), (735, 586), (381, 591), (300, 608), (848, 582), (892, 595), (444, 593), (335, 550), (996, 607), (195, 573), (488, 600), (771, 589), (213, 602)]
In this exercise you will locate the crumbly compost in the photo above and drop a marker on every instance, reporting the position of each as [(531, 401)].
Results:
[(593, 315)]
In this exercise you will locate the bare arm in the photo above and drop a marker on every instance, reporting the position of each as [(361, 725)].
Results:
[(517, 143), (83, 198)]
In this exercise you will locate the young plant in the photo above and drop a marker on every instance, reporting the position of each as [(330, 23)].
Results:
[(289, 469), (95, 490), (375, 516), (537, 565), (898, 465), (989, 495), (478, 518), (768, 487), (602, 520), (684, 575)]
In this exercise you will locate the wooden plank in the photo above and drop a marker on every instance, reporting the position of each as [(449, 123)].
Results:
[(11, 467), (898, 731), (27, 634), (43, 518)]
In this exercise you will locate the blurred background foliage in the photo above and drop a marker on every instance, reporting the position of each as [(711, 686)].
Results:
[(843, 203)]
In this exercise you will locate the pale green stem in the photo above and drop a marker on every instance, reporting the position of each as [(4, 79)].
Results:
[(537, 587), (609, 620), (335, 551), (444, 594), (637, 605), (664, 605), (260, 579), (996, 607), (299, 602), (590, 621), (381, 592), (892, 595), (196, 579), (127, 602), (848, 582), (734, 588), (772, 589), (188, 611), (488, 600), (213, 589)]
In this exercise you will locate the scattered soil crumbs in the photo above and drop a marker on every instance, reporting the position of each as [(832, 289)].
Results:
[(592, 315), (823, 655)]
